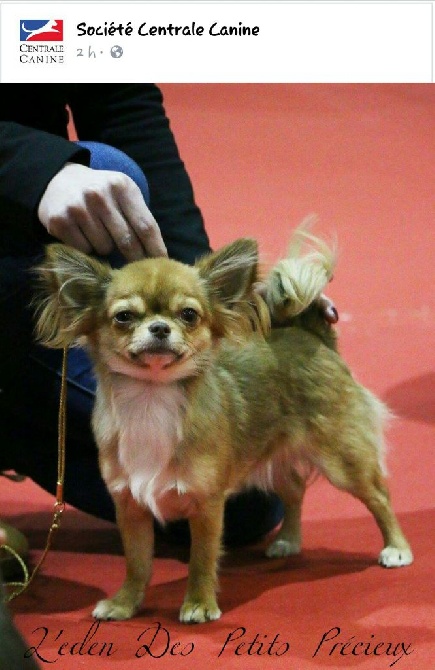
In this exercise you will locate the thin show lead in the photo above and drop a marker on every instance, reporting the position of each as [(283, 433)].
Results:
[(215, 30)]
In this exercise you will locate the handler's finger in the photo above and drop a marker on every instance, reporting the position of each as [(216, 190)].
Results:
[(97, 234), (109, 213), (142, 221), (328, 308), (125, 238), (70, 234)]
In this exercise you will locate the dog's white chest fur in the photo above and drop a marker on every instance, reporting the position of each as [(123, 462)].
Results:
[(149, 420)]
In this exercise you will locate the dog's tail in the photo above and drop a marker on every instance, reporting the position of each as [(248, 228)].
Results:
[(295, 282)]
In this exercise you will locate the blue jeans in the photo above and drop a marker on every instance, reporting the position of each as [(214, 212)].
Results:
[(29, 405)]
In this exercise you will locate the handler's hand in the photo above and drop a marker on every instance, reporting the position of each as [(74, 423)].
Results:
[(326, 305), (328, 308), (96, 210)]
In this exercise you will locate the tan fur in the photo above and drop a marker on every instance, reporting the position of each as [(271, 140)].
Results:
[(194, 403)]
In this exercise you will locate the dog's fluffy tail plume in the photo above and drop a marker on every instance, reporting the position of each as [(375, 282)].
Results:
[(296, 281)]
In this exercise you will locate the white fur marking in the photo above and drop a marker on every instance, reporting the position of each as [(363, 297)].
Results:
[(150, 419), (392, 557)]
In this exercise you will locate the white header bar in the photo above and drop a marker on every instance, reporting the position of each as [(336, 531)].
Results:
[(217, 42)]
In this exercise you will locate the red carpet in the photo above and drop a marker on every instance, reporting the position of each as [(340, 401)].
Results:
[(261, 158)]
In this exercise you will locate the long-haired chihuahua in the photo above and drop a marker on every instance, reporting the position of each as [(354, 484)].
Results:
[(198, 398)]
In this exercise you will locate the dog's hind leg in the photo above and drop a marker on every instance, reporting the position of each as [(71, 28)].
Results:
[(288, 540), (136, 525), (357, 470), (375, 496)]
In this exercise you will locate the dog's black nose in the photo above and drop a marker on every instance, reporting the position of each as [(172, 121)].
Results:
[(160, 329)]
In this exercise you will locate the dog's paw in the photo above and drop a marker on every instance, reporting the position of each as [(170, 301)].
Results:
[(195, 612), (113, 610), (281, 548), (392, 557)]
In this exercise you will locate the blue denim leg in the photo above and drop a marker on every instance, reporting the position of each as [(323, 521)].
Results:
[(104, 157)]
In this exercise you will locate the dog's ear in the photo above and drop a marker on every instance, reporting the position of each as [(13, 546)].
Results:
[(231, 277), (231, 272), (71, 291)]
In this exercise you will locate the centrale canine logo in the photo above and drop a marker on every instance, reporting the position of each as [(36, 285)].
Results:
[(41, 30)]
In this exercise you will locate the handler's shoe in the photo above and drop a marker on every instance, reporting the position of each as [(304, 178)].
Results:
[(13, 538)]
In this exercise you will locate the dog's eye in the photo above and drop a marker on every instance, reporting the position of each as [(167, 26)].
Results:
[(189, 315), (124, 318)]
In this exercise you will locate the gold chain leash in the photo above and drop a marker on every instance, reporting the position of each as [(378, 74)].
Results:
[(59, 505)]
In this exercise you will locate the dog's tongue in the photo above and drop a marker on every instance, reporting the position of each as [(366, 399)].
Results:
[(157, 361)]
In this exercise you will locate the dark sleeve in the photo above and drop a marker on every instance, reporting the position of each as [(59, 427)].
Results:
[(12, 645), (29, 159), (132, 118)]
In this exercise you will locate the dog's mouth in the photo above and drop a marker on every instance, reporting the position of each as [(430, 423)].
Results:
[(159, 358)]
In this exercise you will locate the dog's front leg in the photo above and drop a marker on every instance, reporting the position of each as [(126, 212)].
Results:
[(206, 532), (137, 531)]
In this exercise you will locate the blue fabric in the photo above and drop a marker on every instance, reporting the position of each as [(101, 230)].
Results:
[(104, 157)]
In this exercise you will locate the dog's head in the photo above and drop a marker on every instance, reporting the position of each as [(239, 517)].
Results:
[(153, 319)]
